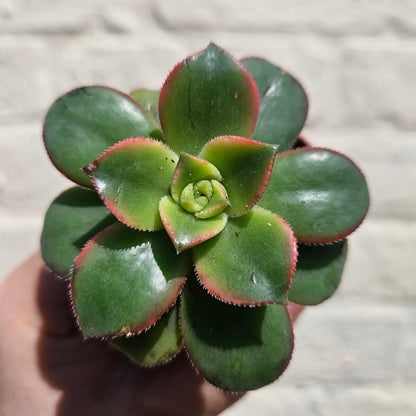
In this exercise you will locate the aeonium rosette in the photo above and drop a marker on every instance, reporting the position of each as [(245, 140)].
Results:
[(194, 202)]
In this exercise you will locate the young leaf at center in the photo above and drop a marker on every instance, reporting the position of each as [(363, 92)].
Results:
[(191, 169), (245, 166), (184, 229)]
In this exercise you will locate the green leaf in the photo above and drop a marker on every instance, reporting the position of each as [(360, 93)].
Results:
[(83, 123), (283, 104), (245, 166), (318, 272), (184, 229), (207, 95), (320, 193), (124, 280), (191, 169), (131, 177), (235, 348), (149, 99), (250, 262), (157, 345), (73, 218)]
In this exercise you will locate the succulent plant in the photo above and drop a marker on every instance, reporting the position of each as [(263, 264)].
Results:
[(198, 214)]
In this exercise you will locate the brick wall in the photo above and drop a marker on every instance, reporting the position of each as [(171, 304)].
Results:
[(355, 354)]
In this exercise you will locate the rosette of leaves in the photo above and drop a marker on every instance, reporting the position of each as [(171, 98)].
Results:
[(192, 208)]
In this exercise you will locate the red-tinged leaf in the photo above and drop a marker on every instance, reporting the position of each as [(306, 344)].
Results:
[(131, 177), (245, 166), (251, 262), (73, 218), (207, 95), (283, 104), (235, 348), (83, 123), (321, 193), (318, 272), (149, 99), (124, 280), (184, 229), (157, 345)]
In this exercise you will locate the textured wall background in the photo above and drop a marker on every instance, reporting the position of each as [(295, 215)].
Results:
[(356, 354)]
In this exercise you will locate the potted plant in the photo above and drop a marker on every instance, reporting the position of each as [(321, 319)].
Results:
[(197, 214)]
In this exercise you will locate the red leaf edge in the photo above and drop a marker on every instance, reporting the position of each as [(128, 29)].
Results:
[(127, 330), (71, 91), (336, 237), (198, 371), (213, 291), (249, 78), (91, 167)]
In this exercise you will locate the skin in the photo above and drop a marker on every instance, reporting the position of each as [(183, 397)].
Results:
[(46, 368)]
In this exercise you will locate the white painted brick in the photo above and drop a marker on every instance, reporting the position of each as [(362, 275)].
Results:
[(309, 400), (325, 17), (22, 95), (380, 262), (126, 65), (349, 343), (281, 399), (29, 181), (6, 9), (384, 400), (354, 84), (379, 85), (128, 17), (408, 358), (73, 18), (24, 17), (70, 21)]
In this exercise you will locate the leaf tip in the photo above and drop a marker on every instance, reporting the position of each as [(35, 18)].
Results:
[(89, 169)]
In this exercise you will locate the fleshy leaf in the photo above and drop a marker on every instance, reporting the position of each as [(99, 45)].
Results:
[(217, 201), (131, 177), (83, 123), (207, 95), (318, 272), (191, 169), (235, 348), (251, 262), (245, 166), (149, 99), (124, 280), (73, 218), (157, 345), (283, 104), (184, 229), (320, 193)]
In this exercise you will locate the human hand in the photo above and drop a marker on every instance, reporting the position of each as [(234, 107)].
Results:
[(46, 368)]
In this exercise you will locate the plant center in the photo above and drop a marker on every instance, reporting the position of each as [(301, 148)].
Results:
[(204, 199)]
